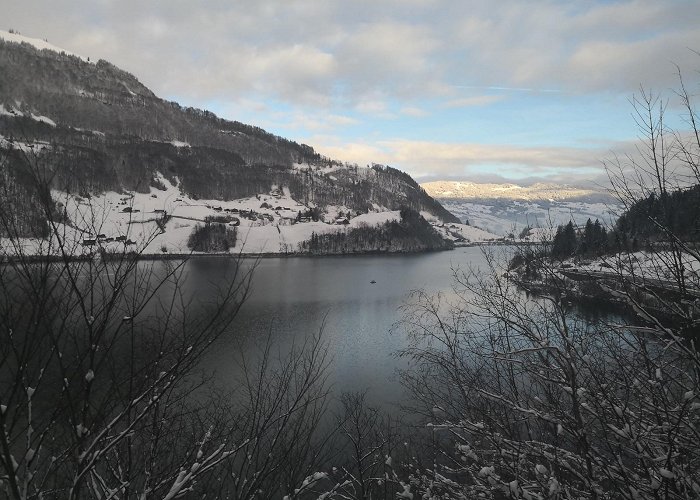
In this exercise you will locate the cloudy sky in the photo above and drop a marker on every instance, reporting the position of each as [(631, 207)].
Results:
[(479, 90)]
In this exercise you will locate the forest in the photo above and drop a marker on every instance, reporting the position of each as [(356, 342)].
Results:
[(648, 221), (412, 233)]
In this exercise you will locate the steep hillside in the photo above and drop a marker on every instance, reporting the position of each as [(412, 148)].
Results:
[(95, 128)]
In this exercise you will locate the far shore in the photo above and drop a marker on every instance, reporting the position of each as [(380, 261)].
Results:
[(231, 255)]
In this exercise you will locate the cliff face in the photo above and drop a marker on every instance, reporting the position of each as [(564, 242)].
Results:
[(97, 128)]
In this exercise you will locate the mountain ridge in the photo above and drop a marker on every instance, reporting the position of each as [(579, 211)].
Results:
[(511, 191), (99, 130)]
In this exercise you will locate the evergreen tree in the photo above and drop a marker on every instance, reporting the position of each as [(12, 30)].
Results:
[(564, 244)]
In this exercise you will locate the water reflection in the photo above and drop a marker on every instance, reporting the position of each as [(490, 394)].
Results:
[(293, 297)]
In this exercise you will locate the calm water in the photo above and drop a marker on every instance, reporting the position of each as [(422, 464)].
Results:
[(292, 296)]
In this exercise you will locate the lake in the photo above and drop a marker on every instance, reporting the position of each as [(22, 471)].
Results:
[(291, 297)]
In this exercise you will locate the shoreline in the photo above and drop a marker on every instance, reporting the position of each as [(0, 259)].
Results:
[(42, 259)]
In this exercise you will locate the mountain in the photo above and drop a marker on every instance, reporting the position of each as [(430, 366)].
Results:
[(506, 209), (539, 191), (99, 130)]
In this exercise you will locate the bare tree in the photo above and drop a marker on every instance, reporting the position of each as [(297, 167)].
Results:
[(365, 444), (100, 392), (538, 401)]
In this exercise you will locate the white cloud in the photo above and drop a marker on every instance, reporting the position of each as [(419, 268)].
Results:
[(374, 106), (381, 60), (414, 111), (478, 100), (335, 51), (439, 159)]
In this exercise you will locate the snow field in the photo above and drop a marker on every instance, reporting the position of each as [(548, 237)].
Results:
[(138, 222)]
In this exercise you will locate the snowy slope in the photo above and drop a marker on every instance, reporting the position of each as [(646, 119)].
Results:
[(10, 111), (506, 209), (474, 190), (162, 220), (36, 43), (460, 233), (504, 216)]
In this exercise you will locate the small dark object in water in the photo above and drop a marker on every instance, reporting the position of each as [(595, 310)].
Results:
[(373, 282)]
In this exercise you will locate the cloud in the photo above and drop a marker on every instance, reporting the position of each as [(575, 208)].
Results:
[(440, 159), (384, 62), (414, 111), (317, 123), (429, 160), (478, 100), (588, 48), (336, 52), (388, 56), (376, 106)]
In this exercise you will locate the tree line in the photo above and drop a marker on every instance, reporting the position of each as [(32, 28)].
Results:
[(412, 233), (647, 221), (591, 241)]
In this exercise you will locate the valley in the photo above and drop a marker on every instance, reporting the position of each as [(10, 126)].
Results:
[(506, 209)]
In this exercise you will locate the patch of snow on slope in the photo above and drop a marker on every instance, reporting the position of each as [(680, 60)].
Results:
[(325, 170), (9, 112), (43, 119), (459, 233), (26, 147), (94, 132), (16, 113)]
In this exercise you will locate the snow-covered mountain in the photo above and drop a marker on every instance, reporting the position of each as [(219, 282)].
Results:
[(506, 209), (105, 136), (508, 191)]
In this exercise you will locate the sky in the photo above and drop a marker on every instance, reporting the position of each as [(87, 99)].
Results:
[(512, 90)]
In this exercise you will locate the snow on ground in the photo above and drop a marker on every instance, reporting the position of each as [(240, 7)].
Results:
[(459, 232), (27, 147), (512, 216), (35, 42), (286, 238), (268, 222), (43, 119), (651, 265), (16, 113), (95, 132), (9, 112), (361, 172), (303, 167)]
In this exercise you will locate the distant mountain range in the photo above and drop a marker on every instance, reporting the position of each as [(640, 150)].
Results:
[(509, 209), (99, 130), (536, 192)]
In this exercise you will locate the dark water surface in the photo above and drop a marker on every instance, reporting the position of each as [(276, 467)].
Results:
[(291, 297)]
